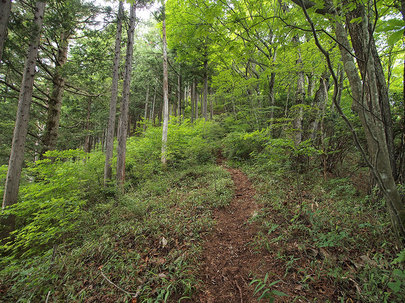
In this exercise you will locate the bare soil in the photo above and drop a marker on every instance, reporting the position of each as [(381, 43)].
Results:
[(228, 255), (231, 260)]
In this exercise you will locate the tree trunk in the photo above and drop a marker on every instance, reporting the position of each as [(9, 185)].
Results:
[(299, 100), (211, 106), (123, 126), (24, 102), (179, 95), (55, 102), (196, 104), (5, 8), (205, 91), (311, 85), (145, 119), (165, 94), (320, 100), (87, 142), (366, 104), (193, 94), (109, 146), (152, 113), (369, 51)]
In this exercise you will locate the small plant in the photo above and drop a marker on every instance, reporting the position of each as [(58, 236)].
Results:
[(264, 291)]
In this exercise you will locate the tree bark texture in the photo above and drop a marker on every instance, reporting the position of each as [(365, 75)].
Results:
[(123, 126), (367, 105), (5, 9), (50, 138), (24, 101), (364, 53), (109, 146), (165, 96), (366, 102)]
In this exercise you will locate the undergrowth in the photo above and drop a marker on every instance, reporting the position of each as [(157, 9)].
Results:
[(332, 240), (77, 241)]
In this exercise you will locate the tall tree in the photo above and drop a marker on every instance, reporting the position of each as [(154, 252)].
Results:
[(55, 101), (123, 125), (365, 81), (24, 102), (165, 91), (63, 20), (114, 95), (145, 119), (5, 8), (299, 97), (205, 89)]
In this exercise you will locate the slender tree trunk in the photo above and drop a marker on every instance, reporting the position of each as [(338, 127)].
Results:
[(205, 91), (311, 84), (152, 113), (185, 99), (165, 95), (55, 103), (87, 142), (145, 119), (197, 96), (320, 100), (179, 95), (193, 94), (272, 80), (122, 139), (299, 100), (109, 147), (5, 8), (211, 107), (24, 102)]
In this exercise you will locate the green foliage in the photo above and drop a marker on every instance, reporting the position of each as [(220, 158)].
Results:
[(51, 199), (146, 241), (335, 232), (242, 145), (264, 291), (69, 224), (394, 28), (187, 145)]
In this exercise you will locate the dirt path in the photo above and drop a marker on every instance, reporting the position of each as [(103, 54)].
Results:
[(228, 257)]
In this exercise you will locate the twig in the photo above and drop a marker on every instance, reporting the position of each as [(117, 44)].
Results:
[(240, 291), (47, 296), (112, 283)]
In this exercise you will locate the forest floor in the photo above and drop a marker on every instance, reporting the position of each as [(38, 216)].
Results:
[(200, 231), (227, 254), (233, 266)]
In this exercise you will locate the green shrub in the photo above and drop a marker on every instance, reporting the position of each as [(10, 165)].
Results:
[(243, 145), (51, 198)]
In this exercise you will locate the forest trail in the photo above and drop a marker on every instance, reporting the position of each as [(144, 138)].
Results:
[(227, 253)]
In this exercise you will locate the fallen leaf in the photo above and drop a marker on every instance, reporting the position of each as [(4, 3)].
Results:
[(163, 242)]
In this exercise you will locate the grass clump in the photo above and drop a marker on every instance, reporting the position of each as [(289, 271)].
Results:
[(338, 237)]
